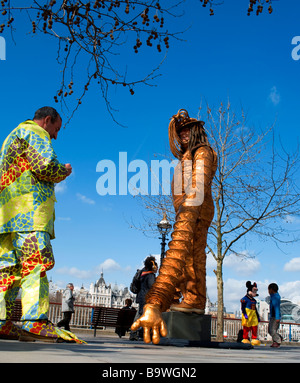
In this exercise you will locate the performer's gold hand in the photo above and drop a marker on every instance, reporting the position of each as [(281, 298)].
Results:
[(151, 320)]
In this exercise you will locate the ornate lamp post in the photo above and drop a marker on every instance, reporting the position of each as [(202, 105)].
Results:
[(164, 227)]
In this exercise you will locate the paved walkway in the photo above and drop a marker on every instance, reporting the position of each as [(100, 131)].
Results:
[(108, 348)]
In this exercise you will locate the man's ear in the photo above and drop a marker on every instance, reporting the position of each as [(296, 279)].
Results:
[(47, 120)]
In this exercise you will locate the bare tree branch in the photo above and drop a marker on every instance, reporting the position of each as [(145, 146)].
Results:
[(93, 33), (96, 33)]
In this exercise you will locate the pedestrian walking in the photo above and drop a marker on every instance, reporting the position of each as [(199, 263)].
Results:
[(67, 307)]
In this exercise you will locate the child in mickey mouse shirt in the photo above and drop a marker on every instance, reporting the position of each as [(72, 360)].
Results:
[(250, 316)]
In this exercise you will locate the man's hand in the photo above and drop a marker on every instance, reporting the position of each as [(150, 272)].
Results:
[(69, 168), (151, 320)]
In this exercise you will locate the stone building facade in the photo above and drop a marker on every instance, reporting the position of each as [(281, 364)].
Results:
[(102, 294), (99, 294)]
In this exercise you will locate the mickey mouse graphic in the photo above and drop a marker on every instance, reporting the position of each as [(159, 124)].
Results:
[(250, 316)]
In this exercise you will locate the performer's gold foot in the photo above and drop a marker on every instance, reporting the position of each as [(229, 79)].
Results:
[(186, 308)]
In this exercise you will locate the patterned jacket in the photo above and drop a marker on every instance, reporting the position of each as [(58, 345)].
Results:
[(28, 170)]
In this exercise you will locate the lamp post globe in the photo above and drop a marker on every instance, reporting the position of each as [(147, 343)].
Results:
[(164, 227)]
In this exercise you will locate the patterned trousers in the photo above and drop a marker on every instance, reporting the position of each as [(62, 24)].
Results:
[(24, 259)]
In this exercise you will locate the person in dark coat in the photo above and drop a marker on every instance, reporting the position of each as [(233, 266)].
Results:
[(147, 279), (124, 320)]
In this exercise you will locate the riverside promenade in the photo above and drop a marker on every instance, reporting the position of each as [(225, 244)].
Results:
[(107, 348)]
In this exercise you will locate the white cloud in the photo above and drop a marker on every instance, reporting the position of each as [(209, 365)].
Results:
[(109, 265), (211, 285), (211, 263), (75, 273), (85, 199), (291, 219), (292, 265), (290, 290), (274, 96), (61, 187), (63, 218), (244, 264)]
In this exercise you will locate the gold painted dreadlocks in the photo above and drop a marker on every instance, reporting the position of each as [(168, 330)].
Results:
[(197, 137), (183, 271)]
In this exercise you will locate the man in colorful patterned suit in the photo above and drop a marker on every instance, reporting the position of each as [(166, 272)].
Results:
[(29, 170)]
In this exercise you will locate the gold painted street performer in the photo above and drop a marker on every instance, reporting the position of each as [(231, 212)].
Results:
[(29, 170), (183, 271)]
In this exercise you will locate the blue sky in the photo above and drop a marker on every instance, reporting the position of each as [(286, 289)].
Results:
[(230, 55)]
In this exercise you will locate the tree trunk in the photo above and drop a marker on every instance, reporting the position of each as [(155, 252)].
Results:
[(220, 313)]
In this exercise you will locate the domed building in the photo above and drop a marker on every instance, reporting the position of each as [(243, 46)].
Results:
[(100, 293), (104, 295)]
